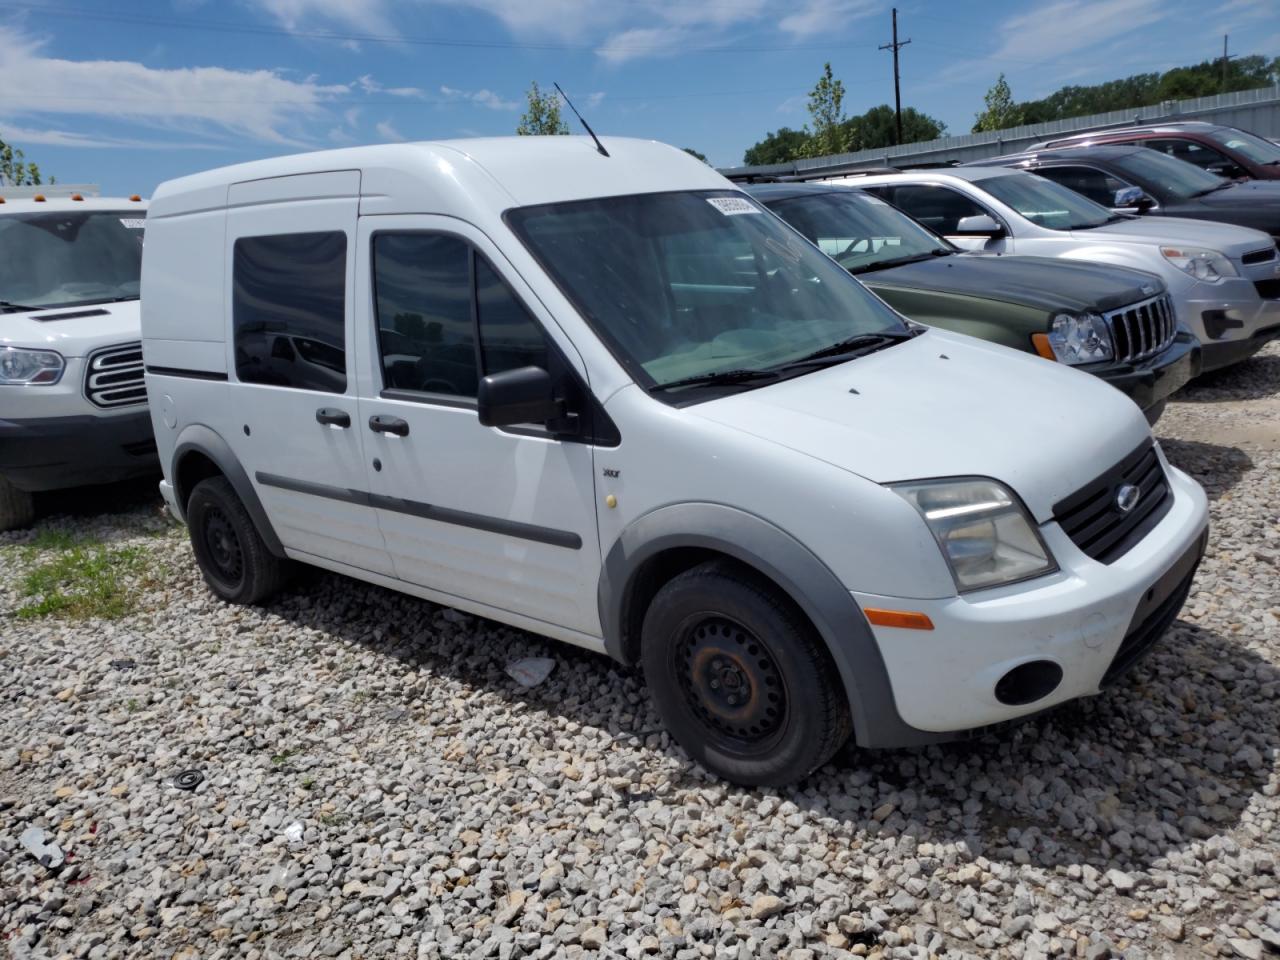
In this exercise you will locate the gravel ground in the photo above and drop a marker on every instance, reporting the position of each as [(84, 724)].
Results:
[(374, 784)]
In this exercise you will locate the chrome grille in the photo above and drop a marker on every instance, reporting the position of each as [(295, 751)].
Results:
[(1142, 329), (113, 376)]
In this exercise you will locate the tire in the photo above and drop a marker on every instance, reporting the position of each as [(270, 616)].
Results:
[(235, 561), (740, 678), (17, 507)]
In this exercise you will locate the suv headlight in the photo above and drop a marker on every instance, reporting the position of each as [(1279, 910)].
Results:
[(1082, 339), (1202, 264), (985, 533), (22, 367)]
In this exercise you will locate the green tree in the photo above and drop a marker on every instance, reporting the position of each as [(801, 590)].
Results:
[(14, 171), (1001, 111), (877, 128), (543, 114), (694, 153), (782, 146), (826, 108)]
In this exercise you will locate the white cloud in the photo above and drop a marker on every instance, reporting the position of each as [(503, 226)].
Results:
[(65, 138), (367, 17), (813, 17), (207, 101), (369, 85), (387, 132), (483, 98), (1052, 32), (594, 99)]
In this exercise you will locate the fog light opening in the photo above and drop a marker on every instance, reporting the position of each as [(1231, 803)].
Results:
[(1028, 682)]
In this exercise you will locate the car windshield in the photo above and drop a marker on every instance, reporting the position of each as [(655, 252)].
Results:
[(1046, 203), (1248, 145), (690, 284), (860, 231), (63, 258), (1168, 178)]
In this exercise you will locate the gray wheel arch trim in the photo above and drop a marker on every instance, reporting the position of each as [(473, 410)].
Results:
[(785, 560), (198, 438)]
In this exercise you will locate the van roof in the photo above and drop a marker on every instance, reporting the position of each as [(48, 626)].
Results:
[(52, 204), (510, 171)]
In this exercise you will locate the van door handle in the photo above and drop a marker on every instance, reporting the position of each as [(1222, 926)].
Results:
[(389, 425), (333, 418)]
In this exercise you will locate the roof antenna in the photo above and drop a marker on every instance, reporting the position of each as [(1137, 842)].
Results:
[(599, 145)]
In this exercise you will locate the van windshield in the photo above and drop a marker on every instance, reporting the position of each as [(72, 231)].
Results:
[(697, 285), (69, 258), (1047, 204)]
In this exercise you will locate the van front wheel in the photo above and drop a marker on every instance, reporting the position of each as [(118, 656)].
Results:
[(740, 678), (235, 561)]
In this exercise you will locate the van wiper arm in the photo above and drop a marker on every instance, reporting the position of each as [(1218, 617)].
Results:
[(717, 378), (858, 346), (7, 307)]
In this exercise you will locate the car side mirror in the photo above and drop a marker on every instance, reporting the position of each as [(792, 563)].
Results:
[(979, 225), (1132, 198), (523, 395)]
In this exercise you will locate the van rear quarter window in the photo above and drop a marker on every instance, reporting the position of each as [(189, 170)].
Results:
[(289, 310)]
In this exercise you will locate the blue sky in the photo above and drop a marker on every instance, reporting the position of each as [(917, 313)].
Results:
[(127, 93)]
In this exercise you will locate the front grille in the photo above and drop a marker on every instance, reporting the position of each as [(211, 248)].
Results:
[(1259, 256), (1143, 637), (1268, 289), (113, 377), (1094, 521), (1142, 329)]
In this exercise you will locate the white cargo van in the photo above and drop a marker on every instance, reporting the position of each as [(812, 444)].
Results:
[(73, 405), (612, 400)]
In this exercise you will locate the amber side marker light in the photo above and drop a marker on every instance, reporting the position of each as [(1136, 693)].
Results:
[(135, 198), (38, 198), (905, 619), (76, 196), (1041, 342)]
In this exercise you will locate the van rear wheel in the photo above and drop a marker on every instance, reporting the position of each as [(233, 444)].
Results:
[(232, 555), (17, 507), (740, 678)]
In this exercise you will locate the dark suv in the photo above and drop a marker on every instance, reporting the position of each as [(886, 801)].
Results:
[(1135, 180), (1226, 151)]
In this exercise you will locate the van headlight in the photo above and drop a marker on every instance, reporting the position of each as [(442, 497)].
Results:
[(1082, 339), (22, 367), (1202, 264), (984, 531)]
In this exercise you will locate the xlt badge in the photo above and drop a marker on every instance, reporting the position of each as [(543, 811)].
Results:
[(611, 473)]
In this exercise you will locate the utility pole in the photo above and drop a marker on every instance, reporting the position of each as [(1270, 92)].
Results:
[(897, 93), (1225, 58)]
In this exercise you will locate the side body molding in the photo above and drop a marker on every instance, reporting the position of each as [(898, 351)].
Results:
[(806, 579), (197, 438)]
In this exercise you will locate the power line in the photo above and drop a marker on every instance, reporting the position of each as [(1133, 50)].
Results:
[(254, 29)]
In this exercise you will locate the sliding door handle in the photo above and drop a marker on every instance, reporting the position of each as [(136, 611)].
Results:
[(392, 425), (333, 418)]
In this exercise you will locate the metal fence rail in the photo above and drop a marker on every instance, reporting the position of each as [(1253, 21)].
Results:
[(1255, 110)]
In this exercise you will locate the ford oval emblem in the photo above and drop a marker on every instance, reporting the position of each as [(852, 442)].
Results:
[(1127, 497)]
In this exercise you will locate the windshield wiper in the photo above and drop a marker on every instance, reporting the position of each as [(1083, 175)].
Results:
[(8, 307), (1214, 189), (900, 261), (858, 346), (717, 378)]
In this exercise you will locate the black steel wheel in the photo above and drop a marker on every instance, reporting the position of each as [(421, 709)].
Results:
[(231, 553)]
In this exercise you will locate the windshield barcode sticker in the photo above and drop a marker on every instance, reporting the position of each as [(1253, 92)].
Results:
[(732, 206), (134, 223)]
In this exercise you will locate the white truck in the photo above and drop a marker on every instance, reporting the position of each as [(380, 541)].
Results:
[(73, 405), (603, 395)]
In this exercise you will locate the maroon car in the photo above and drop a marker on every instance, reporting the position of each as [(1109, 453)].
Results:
[(1227, 151)]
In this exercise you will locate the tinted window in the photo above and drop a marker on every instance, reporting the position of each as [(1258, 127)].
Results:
[(858, 230), (424, 284), (1248, 145), (289, 310), (1046, 204), (1187, 150), (1097, 186), (1164, 177), (66, 259), (938, 208)]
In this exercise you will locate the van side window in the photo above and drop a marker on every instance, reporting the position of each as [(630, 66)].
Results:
[(432, 292), (289, 310), (422, 288)]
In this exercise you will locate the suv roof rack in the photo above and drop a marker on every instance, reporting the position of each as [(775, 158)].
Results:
[(791, 173)]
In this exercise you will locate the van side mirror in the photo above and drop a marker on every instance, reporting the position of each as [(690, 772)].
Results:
[(523, 395), (1132, 198), (979, 225)]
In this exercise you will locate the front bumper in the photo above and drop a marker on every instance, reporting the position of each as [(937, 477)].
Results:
[(1225, 353), (1231, 320), (53, 453), (1091, 620), (1150, 383)]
